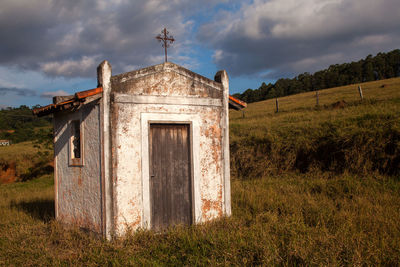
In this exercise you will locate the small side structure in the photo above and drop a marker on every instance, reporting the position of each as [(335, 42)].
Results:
[(5, 142), (145, 149)]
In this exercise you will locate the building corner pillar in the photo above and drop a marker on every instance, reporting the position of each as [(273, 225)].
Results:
[(222, 77), (104, 72)]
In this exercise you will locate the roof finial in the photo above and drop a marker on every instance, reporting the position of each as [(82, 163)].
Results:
[(165, 40)]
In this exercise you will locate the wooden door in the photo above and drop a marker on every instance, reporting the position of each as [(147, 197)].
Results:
[(170, 175)]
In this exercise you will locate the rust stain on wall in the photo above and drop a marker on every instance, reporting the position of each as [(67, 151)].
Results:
[(210, 206), (213, 208), (216, 152), (135, 213), (77, 174), (82, 220)]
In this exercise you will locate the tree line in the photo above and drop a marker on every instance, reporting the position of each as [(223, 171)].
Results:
[(18, 124), (381, 66)]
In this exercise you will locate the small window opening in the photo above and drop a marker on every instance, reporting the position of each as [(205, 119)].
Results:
[(76, 139)]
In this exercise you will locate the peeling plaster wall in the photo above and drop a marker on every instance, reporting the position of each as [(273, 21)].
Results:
[(163, 80), (78, 188), (127, 162)]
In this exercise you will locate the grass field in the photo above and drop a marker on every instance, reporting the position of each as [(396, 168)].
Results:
[(23, 161), (17, 150), (310, 186), (361, 137)]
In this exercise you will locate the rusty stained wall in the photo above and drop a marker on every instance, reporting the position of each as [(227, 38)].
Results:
[(127, 161), (163, 80), (78, 188), (166, 79)]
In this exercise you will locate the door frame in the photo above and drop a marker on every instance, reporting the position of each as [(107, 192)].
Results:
[(193, 120), (188, 178)]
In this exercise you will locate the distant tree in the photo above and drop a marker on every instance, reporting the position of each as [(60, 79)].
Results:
[(22, 124), (368, 69), (379, 66), (237, 95), (306, 80), (319, 80), (248, 96), (382, 66)]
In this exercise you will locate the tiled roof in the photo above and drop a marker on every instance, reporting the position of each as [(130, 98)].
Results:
[(75, 101), (235, 103)]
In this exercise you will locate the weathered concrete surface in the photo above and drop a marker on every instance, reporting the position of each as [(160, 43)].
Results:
[(166, 79), (78, 188), (127, 156), (104, 80), (127, 161), (222, 77)]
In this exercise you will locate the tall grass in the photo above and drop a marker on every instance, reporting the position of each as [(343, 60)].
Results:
[(310, 186), (360, 137), (27, 159), (290, 219)]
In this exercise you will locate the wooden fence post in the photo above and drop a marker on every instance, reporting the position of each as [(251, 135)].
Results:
[(317, 97), (243, 114), (361, 93), (277, 105)]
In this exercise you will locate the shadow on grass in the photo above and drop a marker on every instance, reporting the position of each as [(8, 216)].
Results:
[(39, 169), (41, 209)]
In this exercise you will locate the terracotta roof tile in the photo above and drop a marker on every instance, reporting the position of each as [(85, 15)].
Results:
[(236, 103), (79, 97)]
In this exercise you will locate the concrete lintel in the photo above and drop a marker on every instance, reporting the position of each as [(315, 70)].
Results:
[(167, 100)]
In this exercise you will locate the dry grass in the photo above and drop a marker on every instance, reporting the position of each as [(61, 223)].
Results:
[(383, 90), (361, 137), (27, 160), (17, 150), (287, 220), (340, 215), (20, 157)]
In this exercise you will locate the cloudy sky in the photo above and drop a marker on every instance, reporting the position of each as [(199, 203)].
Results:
[(52, 47)]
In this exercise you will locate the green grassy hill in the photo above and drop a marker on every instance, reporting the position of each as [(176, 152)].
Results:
[(341, 134), (20, 125), (310, 186)]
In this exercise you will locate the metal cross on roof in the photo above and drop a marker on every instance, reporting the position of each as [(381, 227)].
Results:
[(165, 40)]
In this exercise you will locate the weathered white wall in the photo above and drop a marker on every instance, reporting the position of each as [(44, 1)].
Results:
[(166, 79), (78, 188), (192, 94), (127, 161)]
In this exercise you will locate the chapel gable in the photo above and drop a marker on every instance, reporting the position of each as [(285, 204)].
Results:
[(166, 79)]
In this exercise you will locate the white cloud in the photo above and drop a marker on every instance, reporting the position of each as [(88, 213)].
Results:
[(53, 93), (308, 63), (38, 83), (300, 35), (71, 68), (218, 55), (67, 38)]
